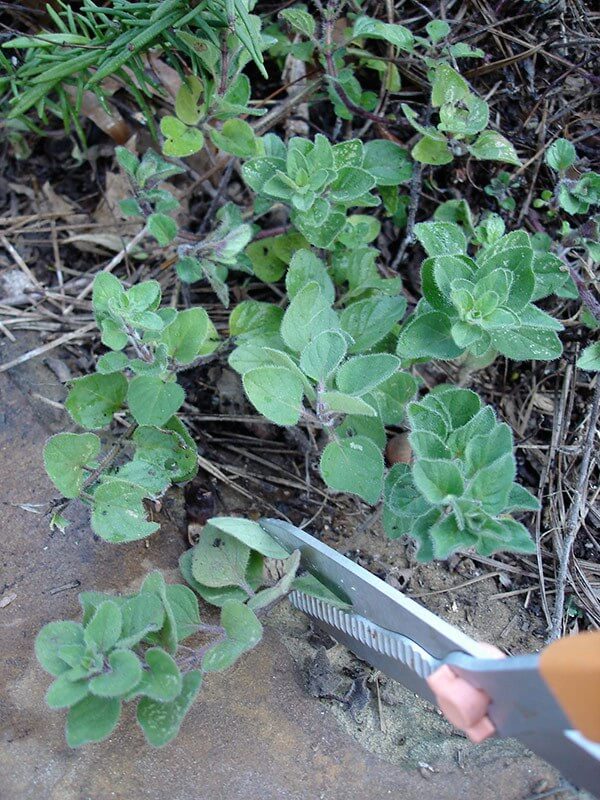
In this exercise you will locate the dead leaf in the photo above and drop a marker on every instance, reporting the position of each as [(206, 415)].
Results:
[(7, 600)]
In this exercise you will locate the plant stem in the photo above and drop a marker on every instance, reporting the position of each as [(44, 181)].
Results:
[(575, 517)]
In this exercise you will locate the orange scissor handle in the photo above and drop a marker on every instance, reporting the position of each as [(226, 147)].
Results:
[(571, 669)]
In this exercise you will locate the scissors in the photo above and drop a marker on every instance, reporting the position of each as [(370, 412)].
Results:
[(549, 701)]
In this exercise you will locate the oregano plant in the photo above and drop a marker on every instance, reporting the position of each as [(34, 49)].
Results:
[(137, 379), (130, 648)]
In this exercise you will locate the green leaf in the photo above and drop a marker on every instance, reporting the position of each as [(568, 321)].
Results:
[(525, 343), (141, 614), (180, 141), (219, 595), (66, 455), (283, 586), (438, 480), (520, 499), (163, 228), (428, 335), (125, 673), (154, 583), (492, 146), (106, 290), (311, 586), (432, 151), (590, 358), (300, 20), (219, 559), (186, 334), (368, 321), (391, 397), (370, 28), (492, 485), (251, 534), (253, 317), (350, 184), (354, 465), (276, 392), (244, 632), (341, 403), (172, 450), (308, 314), (184, 608), (321, 357), (161, 680), (305, 268), (147, 476), (387, 162), (92, 720), (65, 692), (94, 399), (118, 513), (361, 374), (437, 30), (371, 427), (128, 161), (448, 86), (152, 401), (161, 721), (49, 641), (186, 100), (104, 629), (236, 137), (111, 362), (560, 155), (441, 238)]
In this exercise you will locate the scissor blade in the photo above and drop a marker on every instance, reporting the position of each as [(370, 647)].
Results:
[(371, 597)]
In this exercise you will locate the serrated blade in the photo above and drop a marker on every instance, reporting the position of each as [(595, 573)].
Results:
[(396, 655), (372, 598)]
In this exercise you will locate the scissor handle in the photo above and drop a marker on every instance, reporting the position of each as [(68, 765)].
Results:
[(571, 669)]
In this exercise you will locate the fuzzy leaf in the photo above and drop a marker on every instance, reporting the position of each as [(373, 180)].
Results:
[(125, 673), (492, 146), (92, 720), (308, 314), (275, 392), (161, 721), (163, 228), (428, 335), (437, 480), (321, 357), (66, 455), (49, 641), (244, 632), (361, 374), (152, 401), (65, 692), (168, 449), (219, 559), (118, 513), (354, 465), (368, 321), (186, 334), (94, 399), (162, 680), (387, 162), (141, 614), (590, 358), (441, 238), (104, 629), (251, 534)]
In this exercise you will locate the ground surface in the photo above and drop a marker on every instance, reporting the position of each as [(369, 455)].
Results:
[(255, 732)]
